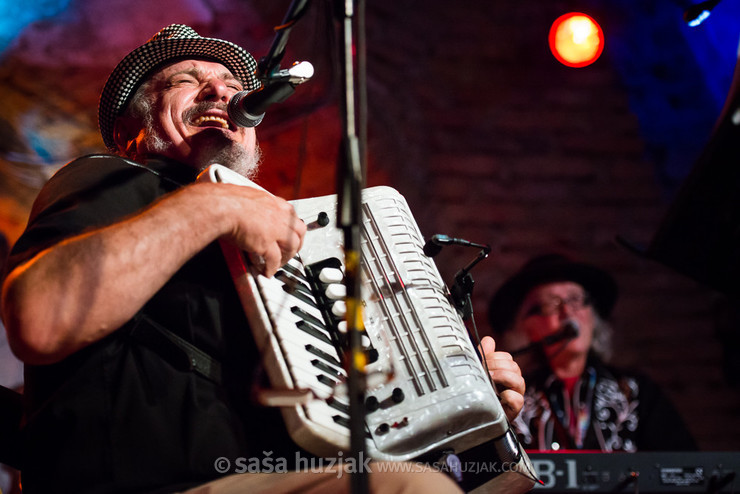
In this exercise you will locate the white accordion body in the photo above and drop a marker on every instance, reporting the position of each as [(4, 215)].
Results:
[(438, 395)]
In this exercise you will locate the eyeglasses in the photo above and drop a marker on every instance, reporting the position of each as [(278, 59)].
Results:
[(555, 304)]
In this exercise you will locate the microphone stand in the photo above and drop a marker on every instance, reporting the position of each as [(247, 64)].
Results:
[(277, 85), (350, 182), (462, 289), (268, 64)]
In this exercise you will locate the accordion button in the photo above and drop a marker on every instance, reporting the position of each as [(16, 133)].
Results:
[(339, 308), (382, 429), (336, 291), (372, 404), (331, 275), (322, 219)]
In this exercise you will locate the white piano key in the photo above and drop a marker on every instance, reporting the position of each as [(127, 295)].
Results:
[(297, 351), (302, 338), (279, 300), (323, 414), (301, 313), (298, 357)]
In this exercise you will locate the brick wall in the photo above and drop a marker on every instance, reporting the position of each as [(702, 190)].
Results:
[(490, 139)]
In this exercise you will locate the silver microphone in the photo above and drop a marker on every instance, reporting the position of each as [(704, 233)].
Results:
[(247, 109)]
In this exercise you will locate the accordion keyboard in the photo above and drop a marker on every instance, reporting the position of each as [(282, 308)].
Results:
[(431, 393)]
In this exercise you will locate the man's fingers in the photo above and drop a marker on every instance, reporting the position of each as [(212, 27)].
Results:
[(508, 379), (487, 345), (293, 241), (512, 402), (272, 260)]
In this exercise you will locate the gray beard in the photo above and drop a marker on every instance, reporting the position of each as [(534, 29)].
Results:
[(210, 149)]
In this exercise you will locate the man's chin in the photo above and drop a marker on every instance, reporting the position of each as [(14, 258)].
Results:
[(216, 147)]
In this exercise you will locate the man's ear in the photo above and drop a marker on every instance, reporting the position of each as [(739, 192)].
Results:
[(125, 130)]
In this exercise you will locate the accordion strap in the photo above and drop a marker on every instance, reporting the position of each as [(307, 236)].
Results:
[(176, 349)]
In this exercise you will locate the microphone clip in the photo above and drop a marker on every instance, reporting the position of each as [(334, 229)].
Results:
[(462, 289)]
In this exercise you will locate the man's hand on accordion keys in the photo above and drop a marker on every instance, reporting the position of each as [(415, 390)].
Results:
[(506, 376), (264, 225)]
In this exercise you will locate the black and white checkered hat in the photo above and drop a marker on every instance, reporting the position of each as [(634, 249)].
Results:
[(175, 42)]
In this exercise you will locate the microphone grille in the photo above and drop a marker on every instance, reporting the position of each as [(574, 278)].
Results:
[(431, 249), (239, 116)]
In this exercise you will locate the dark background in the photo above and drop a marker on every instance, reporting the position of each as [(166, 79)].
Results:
[(474, 121)]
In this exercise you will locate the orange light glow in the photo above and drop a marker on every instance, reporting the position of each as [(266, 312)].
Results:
[(576, 39)]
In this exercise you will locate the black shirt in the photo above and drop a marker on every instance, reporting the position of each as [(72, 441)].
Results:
[(124, 415)]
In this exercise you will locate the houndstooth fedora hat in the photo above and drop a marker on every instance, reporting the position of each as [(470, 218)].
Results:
[(174, 42)]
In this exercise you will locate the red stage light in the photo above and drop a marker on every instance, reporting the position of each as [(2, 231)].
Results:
[(576, 39)]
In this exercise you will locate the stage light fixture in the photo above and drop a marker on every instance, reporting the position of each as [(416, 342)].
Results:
[(696, 14), (576, 39)]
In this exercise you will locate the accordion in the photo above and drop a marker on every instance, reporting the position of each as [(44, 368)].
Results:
[(427, 391)]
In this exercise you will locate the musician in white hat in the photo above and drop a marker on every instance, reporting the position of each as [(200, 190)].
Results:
[(556, 311), (140, 365)]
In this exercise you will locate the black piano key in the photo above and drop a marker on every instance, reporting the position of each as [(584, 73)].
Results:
[(307, 317), (341, 420), (324, 379), (297, 273), (331, 370), (293, 285), (313, 331), (344, 421), (337, 405), (315, 268), (322, 354), (305, 297), (294, 282)]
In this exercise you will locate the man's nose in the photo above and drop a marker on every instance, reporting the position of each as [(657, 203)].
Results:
[(215, 90), (565, 310)]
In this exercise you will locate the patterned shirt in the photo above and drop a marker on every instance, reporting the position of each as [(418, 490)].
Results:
[(606, 410)]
